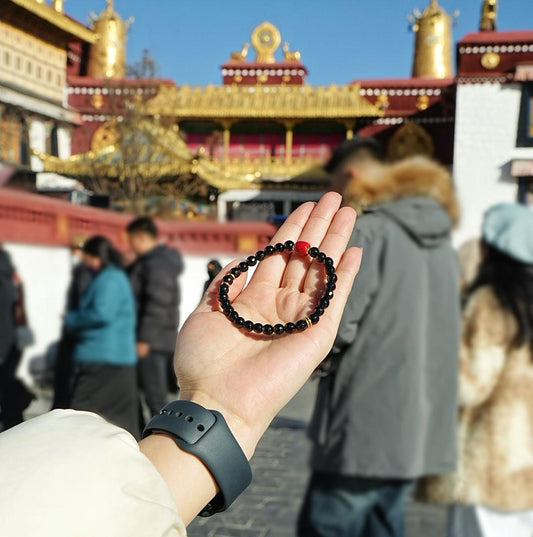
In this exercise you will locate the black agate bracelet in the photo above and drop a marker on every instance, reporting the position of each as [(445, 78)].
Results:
[(302, 248)]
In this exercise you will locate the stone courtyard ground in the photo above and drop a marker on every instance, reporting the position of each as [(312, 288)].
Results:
[(269, 507)]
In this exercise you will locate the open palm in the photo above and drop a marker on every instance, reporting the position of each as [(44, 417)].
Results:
[(250, 377)]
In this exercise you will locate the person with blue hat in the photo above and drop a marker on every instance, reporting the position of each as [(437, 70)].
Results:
[(495, 472)]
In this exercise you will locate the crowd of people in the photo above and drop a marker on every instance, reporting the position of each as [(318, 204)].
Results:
[(424, 387), (114, 356)]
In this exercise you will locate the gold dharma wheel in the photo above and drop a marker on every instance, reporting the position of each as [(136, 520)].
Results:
[(266, 39), (104, 136)]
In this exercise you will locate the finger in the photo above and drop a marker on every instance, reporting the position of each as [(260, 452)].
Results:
[(209, 301), (313, 232), (271, 269), (333, 244)]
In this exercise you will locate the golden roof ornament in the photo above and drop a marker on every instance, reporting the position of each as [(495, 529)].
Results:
[(433, 41), (266, 39), (107, 57), (489, 12)]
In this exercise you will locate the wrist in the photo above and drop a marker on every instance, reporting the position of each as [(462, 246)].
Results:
[(247, 435)]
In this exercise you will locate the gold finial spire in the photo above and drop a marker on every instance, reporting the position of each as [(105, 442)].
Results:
[(266, 40), (107, 58), (489, 12), (433, 41)]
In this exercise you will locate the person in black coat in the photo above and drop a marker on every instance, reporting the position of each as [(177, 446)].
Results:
[(64, 367), (154, 278), (11, 409)]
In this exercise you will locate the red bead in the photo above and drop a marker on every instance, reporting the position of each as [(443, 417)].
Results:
[(301, 247)]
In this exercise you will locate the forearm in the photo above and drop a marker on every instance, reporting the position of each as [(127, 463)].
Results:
[(189, 480)]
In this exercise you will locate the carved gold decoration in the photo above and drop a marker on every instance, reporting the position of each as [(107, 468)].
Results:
[(59, 20), (290, 56), (241, 54), (166, 154), (237, 78), (382, 102), (260, 102), (489, 13), (266, 40), (433, 42), (104, 136), (107, 58), (262, 78), (410, 139), (97, 100), (58, 6), (490, 60), (422, 102), (286, 78)]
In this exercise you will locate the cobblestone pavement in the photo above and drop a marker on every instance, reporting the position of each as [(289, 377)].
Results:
[(269, 507)]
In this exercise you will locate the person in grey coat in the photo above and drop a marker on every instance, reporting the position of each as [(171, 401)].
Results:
[(386, 406)]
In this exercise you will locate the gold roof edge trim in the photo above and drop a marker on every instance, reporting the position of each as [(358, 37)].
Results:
[(60, 20), (261, 102)]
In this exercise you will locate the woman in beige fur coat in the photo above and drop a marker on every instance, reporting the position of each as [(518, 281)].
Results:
[(495, 469)]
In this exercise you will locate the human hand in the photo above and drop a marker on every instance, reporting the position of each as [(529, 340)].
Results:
[(142, 349), (250, 377)]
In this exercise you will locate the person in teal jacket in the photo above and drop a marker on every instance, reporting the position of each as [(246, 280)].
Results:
[(104, 353)]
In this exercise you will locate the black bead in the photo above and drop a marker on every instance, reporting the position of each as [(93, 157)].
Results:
[(248, 326), (330, 270), (319, 310), (233, 316), (239, 322), (279, 329), (314, 317), (224, 301), (228, 278), (329, 294), (228, 311), (289, 246), (243, 266), (321, 257), (332, 278), (258, 328), (279, 247), (301, 325), (313, 251), (290, 327), (330, 286), (223, 288), (329, 262), (251, 260), (235, 272), (323, 302), (268, 329), (269, 250), (260, 255)]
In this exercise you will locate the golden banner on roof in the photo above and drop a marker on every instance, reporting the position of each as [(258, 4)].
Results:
[(261, 102)]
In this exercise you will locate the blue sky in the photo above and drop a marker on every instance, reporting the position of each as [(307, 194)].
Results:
[(340, 40)]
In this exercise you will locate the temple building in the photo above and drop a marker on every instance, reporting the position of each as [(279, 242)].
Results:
[(253, 147), (34, 39)]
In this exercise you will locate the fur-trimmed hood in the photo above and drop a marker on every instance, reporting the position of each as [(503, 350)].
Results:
[(413, 177)]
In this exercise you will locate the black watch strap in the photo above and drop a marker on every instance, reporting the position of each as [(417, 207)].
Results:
[(206, 435)]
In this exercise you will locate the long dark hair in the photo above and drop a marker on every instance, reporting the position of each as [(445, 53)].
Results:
[(102, 248), (512, 283)]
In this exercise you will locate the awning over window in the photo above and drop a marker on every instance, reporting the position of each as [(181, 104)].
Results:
[(522, 168), (524, 72)]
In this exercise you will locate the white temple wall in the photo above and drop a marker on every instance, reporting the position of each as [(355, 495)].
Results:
[(485, 143)]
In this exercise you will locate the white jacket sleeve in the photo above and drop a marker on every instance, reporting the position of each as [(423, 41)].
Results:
[(69, 473)]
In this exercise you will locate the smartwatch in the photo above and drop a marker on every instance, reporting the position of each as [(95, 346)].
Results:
[(206, 435)]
